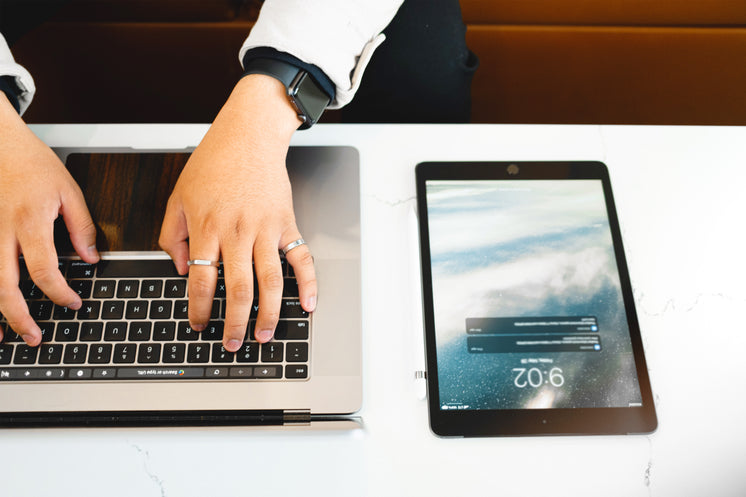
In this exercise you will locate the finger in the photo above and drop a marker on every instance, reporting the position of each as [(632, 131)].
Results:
[(174, 234), (270, 283), (79, 224), (41, 260), (305, 274), (202, 281), (12, 302), (239, 292)]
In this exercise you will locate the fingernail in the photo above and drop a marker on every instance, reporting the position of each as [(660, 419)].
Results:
[(264, 335), (75, 305), (29, 339), (92, 251), (311, 303), (233, 345), (198, 327)]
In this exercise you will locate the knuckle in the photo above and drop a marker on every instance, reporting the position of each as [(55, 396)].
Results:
[(240, 292), (201, 288), (268, 317), (272, 282), (306, 259), (44, 275)]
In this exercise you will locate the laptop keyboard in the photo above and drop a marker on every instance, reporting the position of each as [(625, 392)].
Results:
[(134, 326)]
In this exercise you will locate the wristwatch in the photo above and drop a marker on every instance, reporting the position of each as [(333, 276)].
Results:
[(303, 92)]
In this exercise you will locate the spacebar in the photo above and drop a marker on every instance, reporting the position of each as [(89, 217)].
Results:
[(136, 268), (159, 373)]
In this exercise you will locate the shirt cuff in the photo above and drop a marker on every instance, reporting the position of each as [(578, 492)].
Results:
[(314, 71)]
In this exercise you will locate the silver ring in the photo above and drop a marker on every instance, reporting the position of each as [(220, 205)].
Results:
[(290, 246), (203, 262)]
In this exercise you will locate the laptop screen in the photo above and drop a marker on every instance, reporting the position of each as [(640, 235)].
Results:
[(126, 194)]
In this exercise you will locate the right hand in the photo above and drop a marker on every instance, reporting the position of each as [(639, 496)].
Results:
[(35, 188)]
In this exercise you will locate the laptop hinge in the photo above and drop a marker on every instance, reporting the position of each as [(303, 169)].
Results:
[(296, 417)]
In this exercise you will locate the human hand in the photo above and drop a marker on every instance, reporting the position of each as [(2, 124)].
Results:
[(35, 188), (233, 199)]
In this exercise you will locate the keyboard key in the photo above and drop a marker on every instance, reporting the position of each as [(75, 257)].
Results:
[(47, 330), (11, 336), (30, 291), (113, 310), (186, 332), (272, 352), (136, 309), (91, 332), (41, 310), (61, 312), (124, 353), (149, 353), (198, 352), (139, 331), (249, 352), (6, 353), (67, 332), (219, 354), (296, 371), (75, 353), (115, 331), (291, 330), (104, 289), (241, 372), (175, 289), (90, 310), (127, 289), (181, 309), (50, 354), (160, 309), (216, 373), (80, 269), (25, 354), (151, 289), (220, 289), (296, 352), (79, 373), (104, 373), (213, 331), (291, 309), (82, 287), (267, 372), (174, 352), (164, 331), (100, 354)]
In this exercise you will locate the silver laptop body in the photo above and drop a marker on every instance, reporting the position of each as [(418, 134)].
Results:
[(326, 195)]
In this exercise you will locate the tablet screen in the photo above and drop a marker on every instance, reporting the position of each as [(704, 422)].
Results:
[(528, 311)]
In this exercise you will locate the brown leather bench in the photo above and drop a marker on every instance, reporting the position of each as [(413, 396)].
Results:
[(542, 61)]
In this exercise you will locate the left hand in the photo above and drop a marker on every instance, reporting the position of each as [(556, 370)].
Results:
[(233, 199)]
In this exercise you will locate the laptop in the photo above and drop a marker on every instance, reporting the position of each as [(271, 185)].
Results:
[(129, 357)]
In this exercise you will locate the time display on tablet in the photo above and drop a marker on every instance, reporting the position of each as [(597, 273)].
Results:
[(528, 306)]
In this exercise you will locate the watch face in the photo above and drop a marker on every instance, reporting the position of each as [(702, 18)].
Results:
[(309, 99)]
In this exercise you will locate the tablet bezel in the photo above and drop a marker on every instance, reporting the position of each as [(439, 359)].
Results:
[(518, 422)]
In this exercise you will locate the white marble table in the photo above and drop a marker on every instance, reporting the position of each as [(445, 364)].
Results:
[(681, 199)]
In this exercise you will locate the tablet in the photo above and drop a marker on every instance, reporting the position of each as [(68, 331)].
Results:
[(530, 323)]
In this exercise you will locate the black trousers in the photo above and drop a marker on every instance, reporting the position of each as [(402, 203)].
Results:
[(422, 73)]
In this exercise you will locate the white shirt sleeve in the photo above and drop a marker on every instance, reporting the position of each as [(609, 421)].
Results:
[(9, 67), (338, 36)]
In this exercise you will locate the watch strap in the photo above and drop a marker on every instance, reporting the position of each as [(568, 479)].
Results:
[(282, 71)]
